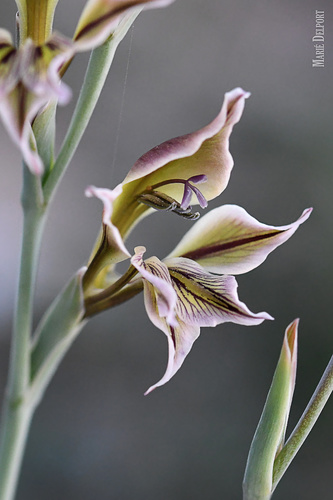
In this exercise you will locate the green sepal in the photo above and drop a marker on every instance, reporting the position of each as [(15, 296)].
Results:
[(57, 330), (44, 132), (269, 435)]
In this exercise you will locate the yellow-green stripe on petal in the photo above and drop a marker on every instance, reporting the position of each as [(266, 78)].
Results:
[(180, 297), (36, 19), (161, 302), (9, 63), (230, 241), (205, 299)]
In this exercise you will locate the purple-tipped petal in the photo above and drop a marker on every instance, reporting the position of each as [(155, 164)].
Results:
[(13, 107), (180, 342), (204, 152), (119, 251), (156, 275), (29, 80), (230, 241), (40, 67)]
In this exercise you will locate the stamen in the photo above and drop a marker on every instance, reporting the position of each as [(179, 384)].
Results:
[(188, 189), (161, 201)]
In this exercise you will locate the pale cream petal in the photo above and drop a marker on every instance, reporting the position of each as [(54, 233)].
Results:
[(230, 241)]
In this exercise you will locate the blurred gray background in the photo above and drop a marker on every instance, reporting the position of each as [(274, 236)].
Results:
[(95, 434)]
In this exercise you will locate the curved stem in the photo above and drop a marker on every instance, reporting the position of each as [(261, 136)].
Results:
[(112, 289), (114, 300), (305, 424), (96, 74)]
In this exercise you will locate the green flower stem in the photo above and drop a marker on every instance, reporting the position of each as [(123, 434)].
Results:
[(17, 411), (96, 74), (20, 402), (305, 424), (112, 289), (118, 298)]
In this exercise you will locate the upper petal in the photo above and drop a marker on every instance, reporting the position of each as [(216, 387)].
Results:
[(230, 241), (204, 153), (118, 251), (100, 17), (29, 80)]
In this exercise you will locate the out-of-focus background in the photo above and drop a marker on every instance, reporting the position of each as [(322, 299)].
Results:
[(95, 434)]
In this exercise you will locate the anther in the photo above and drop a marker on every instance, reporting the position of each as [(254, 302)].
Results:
[(161, 201)]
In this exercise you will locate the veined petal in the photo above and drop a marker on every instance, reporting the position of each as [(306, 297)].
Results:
[(160, 302), (29, 80), (157, 282), (180, 341), (205, 299), (17, 110), (9, 63), (40, 66), (119, 251), (100, 17), (204, 153), (230, 241)]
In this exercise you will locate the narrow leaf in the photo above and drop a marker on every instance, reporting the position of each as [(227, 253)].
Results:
[(270, 432)]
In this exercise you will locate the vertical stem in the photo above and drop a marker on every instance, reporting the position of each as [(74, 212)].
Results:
[(15, 427), (17, 409)]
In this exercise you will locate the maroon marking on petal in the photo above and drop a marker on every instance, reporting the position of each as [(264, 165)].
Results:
[(220, 247), (8, 56), (105, 17), (173, 335), (218, 302)]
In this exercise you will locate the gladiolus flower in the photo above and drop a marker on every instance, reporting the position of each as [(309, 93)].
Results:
[(30, 75), (181, 294)]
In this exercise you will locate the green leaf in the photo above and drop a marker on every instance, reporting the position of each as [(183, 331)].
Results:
[(269, 435)]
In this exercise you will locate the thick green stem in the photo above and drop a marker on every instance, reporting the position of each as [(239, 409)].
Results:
[(305, 424), (17, 410), (15, 427), (20, 399)]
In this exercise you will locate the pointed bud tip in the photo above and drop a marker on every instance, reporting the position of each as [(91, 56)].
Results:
[(291, 337)]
